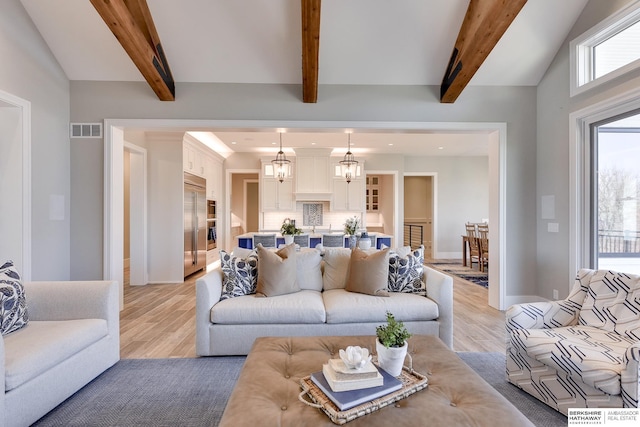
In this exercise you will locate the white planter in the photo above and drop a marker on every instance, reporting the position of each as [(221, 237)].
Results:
[(288, 239), (391, 359)]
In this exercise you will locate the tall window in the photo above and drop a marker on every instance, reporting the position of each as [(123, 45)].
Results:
[(616, 194)]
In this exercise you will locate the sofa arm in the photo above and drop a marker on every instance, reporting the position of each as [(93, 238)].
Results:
[(70, 300), (630, 376), (440, 289), (208, 292), (541, 315)]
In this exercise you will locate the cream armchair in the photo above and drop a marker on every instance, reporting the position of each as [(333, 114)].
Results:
[(581, 352)]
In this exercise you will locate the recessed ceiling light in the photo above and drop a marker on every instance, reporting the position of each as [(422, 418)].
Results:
[(273, 143), (391, 143), (313, 143), (233, 142), (440, 148)]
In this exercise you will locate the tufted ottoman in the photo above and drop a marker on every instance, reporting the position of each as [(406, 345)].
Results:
[(267, 391)]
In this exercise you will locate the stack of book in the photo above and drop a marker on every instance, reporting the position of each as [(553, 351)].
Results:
[(346, 391), (342, 378)]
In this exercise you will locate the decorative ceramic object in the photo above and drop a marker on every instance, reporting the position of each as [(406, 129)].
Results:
[(364, 242), (355, 357), (352, 241), (288, 239)]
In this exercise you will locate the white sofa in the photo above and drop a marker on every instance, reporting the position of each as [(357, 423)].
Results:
[(229, 327), (581, 352), (72, 336)]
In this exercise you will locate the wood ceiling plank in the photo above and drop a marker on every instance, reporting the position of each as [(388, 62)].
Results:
[(485, 22), (131, 22), (310, 49)]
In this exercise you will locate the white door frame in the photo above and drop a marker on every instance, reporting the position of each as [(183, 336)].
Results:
[(113, 198), (227, 202), (434, 207), (138, 266), (398, 231), (24, 140), (579, 172), (244, 187)]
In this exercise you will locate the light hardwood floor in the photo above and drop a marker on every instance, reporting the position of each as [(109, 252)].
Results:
[(158, 321)]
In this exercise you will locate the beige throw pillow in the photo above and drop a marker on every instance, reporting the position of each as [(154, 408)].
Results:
[(369, 272), (276, 271), (336, 268)]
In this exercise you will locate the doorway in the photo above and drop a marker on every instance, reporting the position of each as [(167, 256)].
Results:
[(15, 182), (418, 212), (243, 208), (497, 134), (251, 207)]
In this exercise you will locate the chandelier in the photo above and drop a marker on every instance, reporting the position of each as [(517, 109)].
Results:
[(281, 165), (349, 163)]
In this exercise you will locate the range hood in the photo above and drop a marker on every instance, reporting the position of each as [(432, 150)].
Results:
[(313, 180), (313, 197)]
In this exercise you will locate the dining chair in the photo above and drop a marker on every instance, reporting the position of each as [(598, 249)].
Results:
[(302, 240), (483, 241), (267, 240), (474, 245), (333, 240)]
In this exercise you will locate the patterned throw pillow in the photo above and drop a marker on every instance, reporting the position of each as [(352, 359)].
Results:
[(13, 305), (240, 274), (405, 272)]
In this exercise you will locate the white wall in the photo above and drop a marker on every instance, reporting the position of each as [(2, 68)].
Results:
[(30, 71), (554, 107), (462, 196), (166, 208)]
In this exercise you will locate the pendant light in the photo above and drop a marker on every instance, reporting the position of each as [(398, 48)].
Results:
[(281, 165), (349, 164)]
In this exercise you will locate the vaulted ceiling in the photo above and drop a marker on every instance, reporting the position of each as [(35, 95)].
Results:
[(363, 42)]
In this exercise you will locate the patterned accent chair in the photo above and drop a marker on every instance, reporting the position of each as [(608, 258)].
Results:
[(581, 352)]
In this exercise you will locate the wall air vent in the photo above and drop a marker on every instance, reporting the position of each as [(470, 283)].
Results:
[(86, 130)]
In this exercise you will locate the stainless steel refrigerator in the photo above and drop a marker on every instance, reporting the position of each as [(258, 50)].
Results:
[(195, 224)]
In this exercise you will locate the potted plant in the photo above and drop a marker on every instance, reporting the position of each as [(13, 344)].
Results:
[(351, 225), (391, 345), (288, 230)]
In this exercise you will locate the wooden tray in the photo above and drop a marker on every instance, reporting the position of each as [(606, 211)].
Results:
[(412, 382)]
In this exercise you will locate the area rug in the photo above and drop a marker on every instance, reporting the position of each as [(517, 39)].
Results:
[(475, 276), (194, 393)]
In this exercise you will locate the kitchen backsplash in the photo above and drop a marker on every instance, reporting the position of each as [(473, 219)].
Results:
[(333, 219)]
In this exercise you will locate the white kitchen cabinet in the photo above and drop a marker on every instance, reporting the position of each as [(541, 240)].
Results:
[(372, 196), (275, 195), (213, 171), (193, 159), (312, 171), (348, 196)]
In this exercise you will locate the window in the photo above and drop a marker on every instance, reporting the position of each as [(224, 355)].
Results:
[(615, 186), (607, 51)]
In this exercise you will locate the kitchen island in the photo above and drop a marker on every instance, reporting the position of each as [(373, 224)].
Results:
[(377, 239)]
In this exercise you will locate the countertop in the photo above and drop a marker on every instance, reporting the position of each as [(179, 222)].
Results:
[(312, 235)]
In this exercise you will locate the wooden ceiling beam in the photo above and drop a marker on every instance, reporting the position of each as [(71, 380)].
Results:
[(132, 24), (310, 49), (484, 24)]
